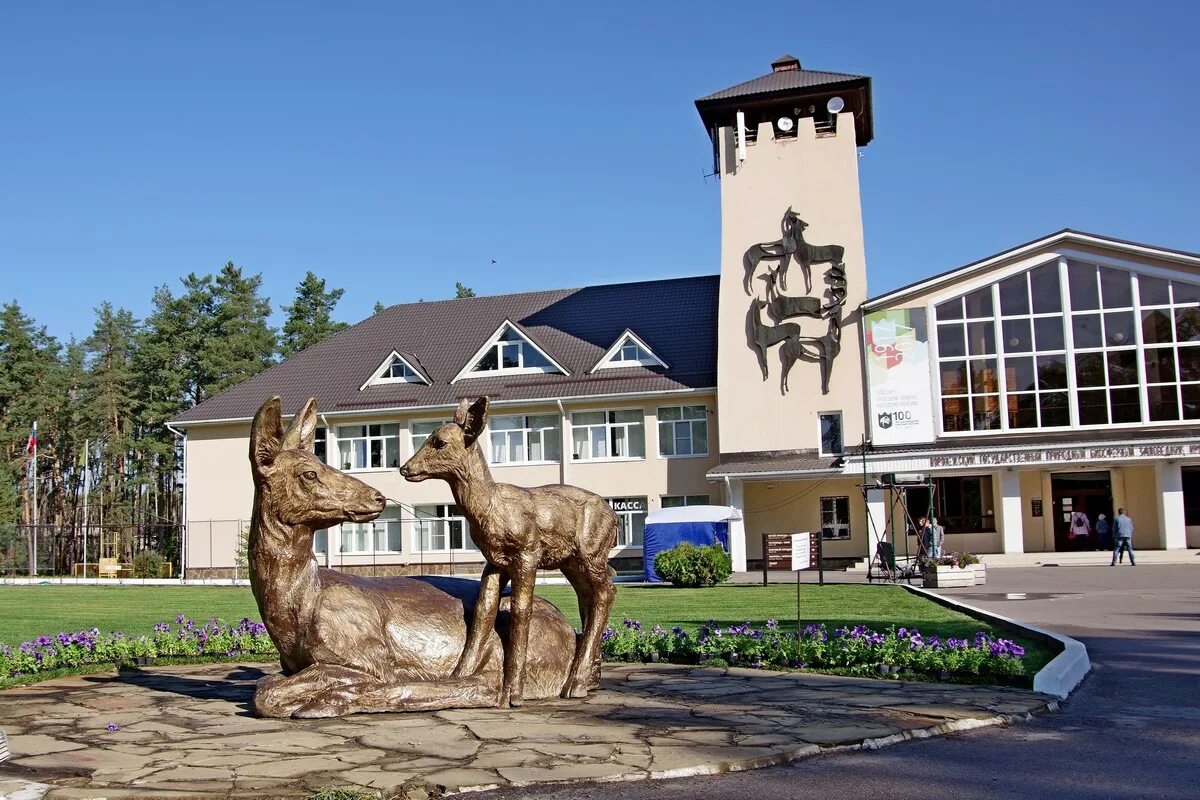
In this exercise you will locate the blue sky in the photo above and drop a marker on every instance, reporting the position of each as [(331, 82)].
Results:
[(396, 151)]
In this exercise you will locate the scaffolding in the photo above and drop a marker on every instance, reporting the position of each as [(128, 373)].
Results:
[(885, 563)]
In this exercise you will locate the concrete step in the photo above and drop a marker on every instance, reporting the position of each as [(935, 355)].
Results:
[(1092, 558)]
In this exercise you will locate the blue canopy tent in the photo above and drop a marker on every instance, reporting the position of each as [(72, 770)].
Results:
[(699, 525)]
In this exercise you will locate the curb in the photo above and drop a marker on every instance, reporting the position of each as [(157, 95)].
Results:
[(1058, 678), (776, 759)]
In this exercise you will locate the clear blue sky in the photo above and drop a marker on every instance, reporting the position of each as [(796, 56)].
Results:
[(394, 151)]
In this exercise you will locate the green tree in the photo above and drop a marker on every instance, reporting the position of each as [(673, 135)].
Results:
[(462, 290), (310, 315), (109, 405), (29, 364), (242, 343), (378, 307)]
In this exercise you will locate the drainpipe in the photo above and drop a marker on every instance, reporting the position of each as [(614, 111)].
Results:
[(330, 447), (563, 452), (183, 538)]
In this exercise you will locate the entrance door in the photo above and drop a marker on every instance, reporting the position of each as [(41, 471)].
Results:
[(1086, 492)]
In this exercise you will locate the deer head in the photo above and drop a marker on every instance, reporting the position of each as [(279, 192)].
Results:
[(443, 455), (293, 484)]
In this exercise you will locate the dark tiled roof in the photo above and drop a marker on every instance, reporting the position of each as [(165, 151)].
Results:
[(783, 80), (677, 318), (984, 443), (773, 461)]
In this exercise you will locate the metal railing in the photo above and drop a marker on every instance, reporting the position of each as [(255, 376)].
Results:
[(144, 551)]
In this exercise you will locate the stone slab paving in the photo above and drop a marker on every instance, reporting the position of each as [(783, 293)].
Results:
[(186, 731)]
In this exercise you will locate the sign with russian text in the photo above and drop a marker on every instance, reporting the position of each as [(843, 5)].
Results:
[(898, 382), (994, 458)]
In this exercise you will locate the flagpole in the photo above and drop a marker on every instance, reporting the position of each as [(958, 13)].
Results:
[(87, 465), (33, 567)]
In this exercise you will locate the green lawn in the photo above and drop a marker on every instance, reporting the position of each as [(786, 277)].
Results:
[(29, 611)]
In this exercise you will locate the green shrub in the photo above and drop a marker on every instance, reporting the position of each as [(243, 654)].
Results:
[(148, 564), (691, 566)]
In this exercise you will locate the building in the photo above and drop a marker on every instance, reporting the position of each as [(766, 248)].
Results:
[(1061, 375)]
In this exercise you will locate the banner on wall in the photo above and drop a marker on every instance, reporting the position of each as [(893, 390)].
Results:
[(898, 383)]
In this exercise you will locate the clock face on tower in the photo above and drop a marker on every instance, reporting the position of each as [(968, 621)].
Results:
[(797, 342)]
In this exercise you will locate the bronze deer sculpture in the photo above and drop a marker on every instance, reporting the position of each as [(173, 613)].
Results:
[(351, 644), (520, 531)]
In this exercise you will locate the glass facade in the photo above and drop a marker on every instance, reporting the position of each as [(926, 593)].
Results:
[(1069, 344)]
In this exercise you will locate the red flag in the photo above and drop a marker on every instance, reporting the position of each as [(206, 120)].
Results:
[(32, 445)]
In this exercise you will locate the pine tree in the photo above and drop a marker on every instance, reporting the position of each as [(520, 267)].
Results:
[(310, 316), (242, 343), (378, 307), (462, 290)]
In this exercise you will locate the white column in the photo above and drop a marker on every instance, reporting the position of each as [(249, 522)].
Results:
[(1172, 535), (737, 528), (1012, 526), (876, 519)]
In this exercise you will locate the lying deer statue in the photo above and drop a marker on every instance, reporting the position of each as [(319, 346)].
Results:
[(349, 644), (520, 531)]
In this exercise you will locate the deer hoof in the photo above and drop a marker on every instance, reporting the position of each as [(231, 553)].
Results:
[(575, 690)]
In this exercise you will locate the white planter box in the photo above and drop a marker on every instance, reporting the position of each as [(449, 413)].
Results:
[(941, 576)]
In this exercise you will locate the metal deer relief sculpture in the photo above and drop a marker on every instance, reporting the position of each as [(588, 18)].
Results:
[(350, 644), (795, 344), (520, 531)]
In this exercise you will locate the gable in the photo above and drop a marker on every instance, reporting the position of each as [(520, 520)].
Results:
[(509, 351), (629, 350), (395, 369)]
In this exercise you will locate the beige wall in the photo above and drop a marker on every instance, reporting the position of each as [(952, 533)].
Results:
[(220, 493), (795, 507), (1141, 504), (818, 178)]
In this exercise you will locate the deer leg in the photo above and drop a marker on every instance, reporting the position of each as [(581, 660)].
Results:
[(373, 695), (483, 620), (596, 593), (520, 610)]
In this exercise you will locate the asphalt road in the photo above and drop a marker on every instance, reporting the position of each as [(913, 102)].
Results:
[(1131, 730)]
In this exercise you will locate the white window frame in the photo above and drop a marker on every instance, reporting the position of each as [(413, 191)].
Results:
[(468, 370), (374, 530), (413, 444), (442, 516), (609, 425), (526, 434), (614, 358), (686, 498), (379, 377), (1067, 314), (821, 435), (625, 520), (368, 439), (691, 431), (839, 525)]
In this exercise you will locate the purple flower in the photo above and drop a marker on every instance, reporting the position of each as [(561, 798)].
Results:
[(179, 619), (112, 727), (772, 624), (704, 640), (43, 641)]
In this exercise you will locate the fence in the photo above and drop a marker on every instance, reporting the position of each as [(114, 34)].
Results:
[(105, 551), (403, 544)]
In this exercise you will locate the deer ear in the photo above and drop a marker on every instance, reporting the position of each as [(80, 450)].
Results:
[(302, 433), (474, 418), (266, 435), (460, 413)]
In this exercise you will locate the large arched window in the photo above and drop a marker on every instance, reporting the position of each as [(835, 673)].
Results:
[(1069, 344)]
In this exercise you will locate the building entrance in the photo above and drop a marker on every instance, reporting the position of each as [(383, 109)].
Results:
[(1079, 493)]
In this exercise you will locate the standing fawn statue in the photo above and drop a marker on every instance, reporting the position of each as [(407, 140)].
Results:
[(520, 531), (349, 644)]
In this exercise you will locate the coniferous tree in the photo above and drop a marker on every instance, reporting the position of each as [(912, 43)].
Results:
[(378, 307), (242, 343), (310, 315), (462, 290)]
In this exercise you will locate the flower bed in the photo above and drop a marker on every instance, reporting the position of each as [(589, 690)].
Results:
[(854, 650), (186, 640)]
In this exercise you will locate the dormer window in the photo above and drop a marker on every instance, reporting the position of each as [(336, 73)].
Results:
[(629, 351), (509, 351), (395, 369)]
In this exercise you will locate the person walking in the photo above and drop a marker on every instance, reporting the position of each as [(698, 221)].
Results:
[(934, 536), (1123, 538), (1104, 532), (1080, 532)]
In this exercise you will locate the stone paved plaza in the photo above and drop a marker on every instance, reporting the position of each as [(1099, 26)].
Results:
[(187, 732)]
